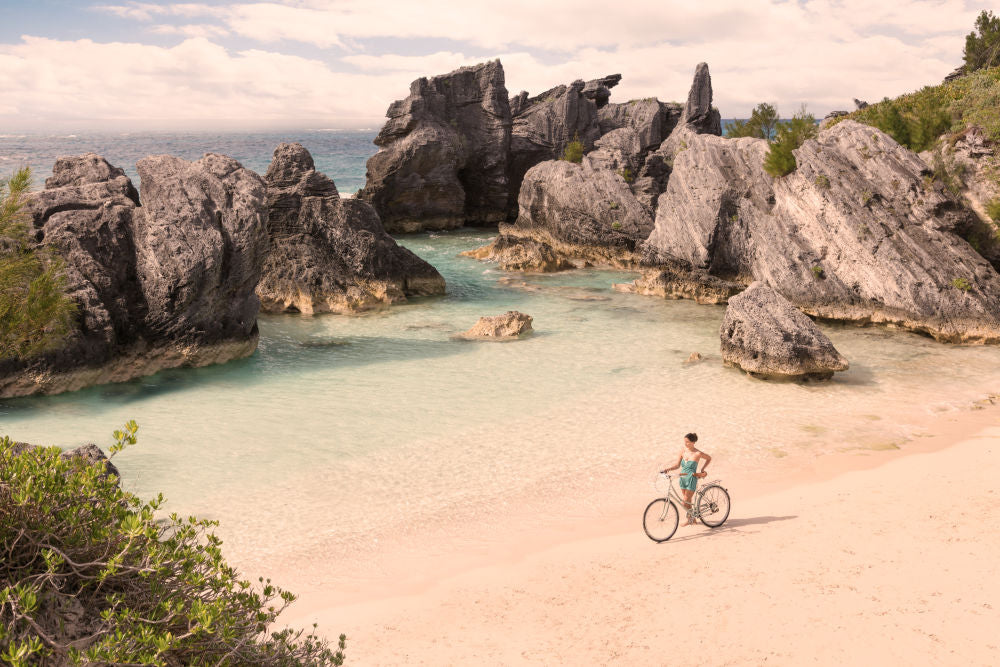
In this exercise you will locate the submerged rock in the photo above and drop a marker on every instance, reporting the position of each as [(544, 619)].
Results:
[(442, 159), (509, 325), (856, 232), (167, 284), (330, 254), (766, 336)]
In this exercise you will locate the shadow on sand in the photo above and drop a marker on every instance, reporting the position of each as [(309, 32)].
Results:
[(731, 526)]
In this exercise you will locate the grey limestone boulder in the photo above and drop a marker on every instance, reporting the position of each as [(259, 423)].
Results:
[(442, 159), (330, 254), (766, 336), (571, 211), (856, 232), (170, 283)]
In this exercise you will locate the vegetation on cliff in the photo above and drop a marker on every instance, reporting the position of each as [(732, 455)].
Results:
[(90, 575), (982, 45), (35, 313), (791, 134)]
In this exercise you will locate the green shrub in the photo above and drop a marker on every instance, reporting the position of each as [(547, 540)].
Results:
[(993, 209), (89, 576), (962, 284), (791, 134), (823, 182), (616, 226), (818, 272), (982, 45), (35, 313), (626, 174), (763, 123), (573, 151), (916, 120), (866, 197)]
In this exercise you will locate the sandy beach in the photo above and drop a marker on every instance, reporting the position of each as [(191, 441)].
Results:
[(880, 557)]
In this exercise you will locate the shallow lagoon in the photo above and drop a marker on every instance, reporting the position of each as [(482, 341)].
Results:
[(342, 434)]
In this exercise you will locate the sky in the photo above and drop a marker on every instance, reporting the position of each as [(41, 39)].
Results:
[(280, 64)]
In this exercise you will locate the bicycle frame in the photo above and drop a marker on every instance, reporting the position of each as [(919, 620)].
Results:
[(692, 512)]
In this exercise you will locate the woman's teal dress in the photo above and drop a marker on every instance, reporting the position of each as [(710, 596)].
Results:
[(688, 481)]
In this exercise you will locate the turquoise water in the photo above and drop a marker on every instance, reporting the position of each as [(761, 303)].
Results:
[(346, 440), (344, 435)]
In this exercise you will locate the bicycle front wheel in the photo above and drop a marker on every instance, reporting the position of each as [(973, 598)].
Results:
[(713, 506), (660, 520)]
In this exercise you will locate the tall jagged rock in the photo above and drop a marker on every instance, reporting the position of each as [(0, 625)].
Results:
[(157, 286), (856, 232), (327, 253), (443, 153), (544, 124), (699, 115), (201, 238)]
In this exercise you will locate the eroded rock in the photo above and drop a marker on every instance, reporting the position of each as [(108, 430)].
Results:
[(510, 325), (857, 232), (443, 153), (330, 254), (766, 336)]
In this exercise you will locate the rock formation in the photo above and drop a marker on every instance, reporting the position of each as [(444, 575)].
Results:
[(767, 337), (330, 254), (170, 283), (443, 153), (89, 454), (500, 327), (598, 212), (571, 215), (856, 232), (968, 166)]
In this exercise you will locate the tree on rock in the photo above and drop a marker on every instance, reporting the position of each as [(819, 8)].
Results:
[(982, 45), (35, 313), (763, 123), (780, 161)]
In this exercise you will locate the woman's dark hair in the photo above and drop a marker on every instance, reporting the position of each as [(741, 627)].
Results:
[(693, 437)]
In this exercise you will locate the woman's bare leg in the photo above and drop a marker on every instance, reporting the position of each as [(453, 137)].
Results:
[(687, 505)]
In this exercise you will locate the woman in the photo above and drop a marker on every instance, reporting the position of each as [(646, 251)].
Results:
[(688, 463)]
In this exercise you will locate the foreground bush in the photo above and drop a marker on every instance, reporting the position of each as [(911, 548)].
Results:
[(35, 313), (573, 151), (89, 576), (791, 134)]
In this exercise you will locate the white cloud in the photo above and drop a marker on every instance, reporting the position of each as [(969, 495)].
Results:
[(823, 52), (53, 82), (190, 30)]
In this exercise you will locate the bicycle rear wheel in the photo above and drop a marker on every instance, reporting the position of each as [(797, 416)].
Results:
[(660, 520), (713, 505)]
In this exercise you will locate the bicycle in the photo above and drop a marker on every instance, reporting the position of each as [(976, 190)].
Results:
[(710, 505)]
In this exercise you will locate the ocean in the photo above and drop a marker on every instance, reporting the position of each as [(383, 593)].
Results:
[(345, 438)]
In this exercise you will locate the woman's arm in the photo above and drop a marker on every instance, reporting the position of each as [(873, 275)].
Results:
[(674, 466), (704, 469)]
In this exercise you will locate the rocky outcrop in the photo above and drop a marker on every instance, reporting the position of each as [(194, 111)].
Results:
[(443, 153), (511, 324), (167, 284), (543, 125), (857, 232), (766, 336), (672, 281), (88, 454), (571, 215), (967, 166), (330, 254)]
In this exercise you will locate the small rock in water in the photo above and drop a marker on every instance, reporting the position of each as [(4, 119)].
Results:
[(694, 358), (507, 326)]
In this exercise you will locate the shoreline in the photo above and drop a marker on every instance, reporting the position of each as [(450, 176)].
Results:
[(415, 612)]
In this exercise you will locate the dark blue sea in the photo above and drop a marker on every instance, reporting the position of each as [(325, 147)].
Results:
[(340, 154)]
